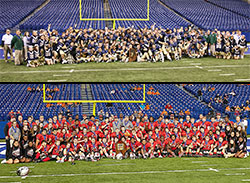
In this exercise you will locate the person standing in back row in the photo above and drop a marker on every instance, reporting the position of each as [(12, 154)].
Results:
[(17, 43), (6, 44)]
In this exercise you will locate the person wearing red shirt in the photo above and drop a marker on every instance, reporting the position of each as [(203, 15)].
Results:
[(41, 137), (104, 148), (56, 122), (43, 151), (53, 137), (145, 150), (188, 133), (220, 147), (194, 147), (134, 148), (187, 123), (207, 147), (202, 133), (94, 148), (173, 146), (67, 154), (185, 146), (92, 133), (168, 107)]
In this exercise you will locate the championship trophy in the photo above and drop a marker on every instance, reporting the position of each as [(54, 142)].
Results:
[(132, 55), (120, 147)]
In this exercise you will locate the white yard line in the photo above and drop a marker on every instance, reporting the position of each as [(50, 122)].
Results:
[(199, 161), (245, 180), (242, 80), (56, 80), (212, 169), (195, 64), (125, 69), (235, 174), (122, 164), (229, 74), (209, 165), (61, 75), (199, 67), (214, 70), (69, 67)]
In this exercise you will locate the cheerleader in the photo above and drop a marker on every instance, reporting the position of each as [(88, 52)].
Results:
[(29, 154), (227, 51), (243, 46), (218, 48), (48, 55), (15, 153), (31, 58)]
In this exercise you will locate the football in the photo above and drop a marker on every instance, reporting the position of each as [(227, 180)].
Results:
[(23, 171), (119, 156)]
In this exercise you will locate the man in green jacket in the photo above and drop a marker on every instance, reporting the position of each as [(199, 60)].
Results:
[(17, 43), (213, 40)]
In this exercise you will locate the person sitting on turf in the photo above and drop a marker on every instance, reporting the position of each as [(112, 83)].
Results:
[(15, 153)]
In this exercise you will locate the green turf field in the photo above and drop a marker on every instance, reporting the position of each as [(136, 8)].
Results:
[(186, 70), (195, 170)]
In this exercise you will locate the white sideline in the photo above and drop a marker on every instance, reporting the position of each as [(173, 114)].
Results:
[(209, 165), (199, 67), (122, 164), (60, 75), (242, 80), (195, 63), (126, 173), (56, 80), (235, 174), (214, 70), (125, 69), (230, 74), (199, 161), (212, 169)]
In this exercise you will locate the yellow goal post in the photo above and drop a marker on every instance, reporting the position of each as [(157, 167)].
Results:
[(113, 19), (94, 101)]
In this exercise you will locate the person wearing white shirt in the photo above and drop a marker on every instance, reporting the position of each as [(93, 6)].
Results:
[(6, 44), (245, 124), (25, 44)]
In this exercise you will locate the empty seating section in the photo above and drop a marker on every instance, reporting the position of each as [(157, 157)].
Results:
[(238, 6), (66, 92), (162, 16), (16, 96), (178, 98), (209, 16), (120, 92), (242, 94), (65, 13), (12, 12)]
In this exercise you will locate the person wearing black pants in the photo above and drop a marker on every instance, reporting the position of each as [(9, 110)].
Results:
[(7, 138)]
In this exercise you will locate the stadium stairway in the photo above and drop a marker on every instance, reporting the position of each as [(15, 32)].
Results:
[(238, 13), (194, 96), (107, 14), (28, 17), (86, 94), (163, 4)]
